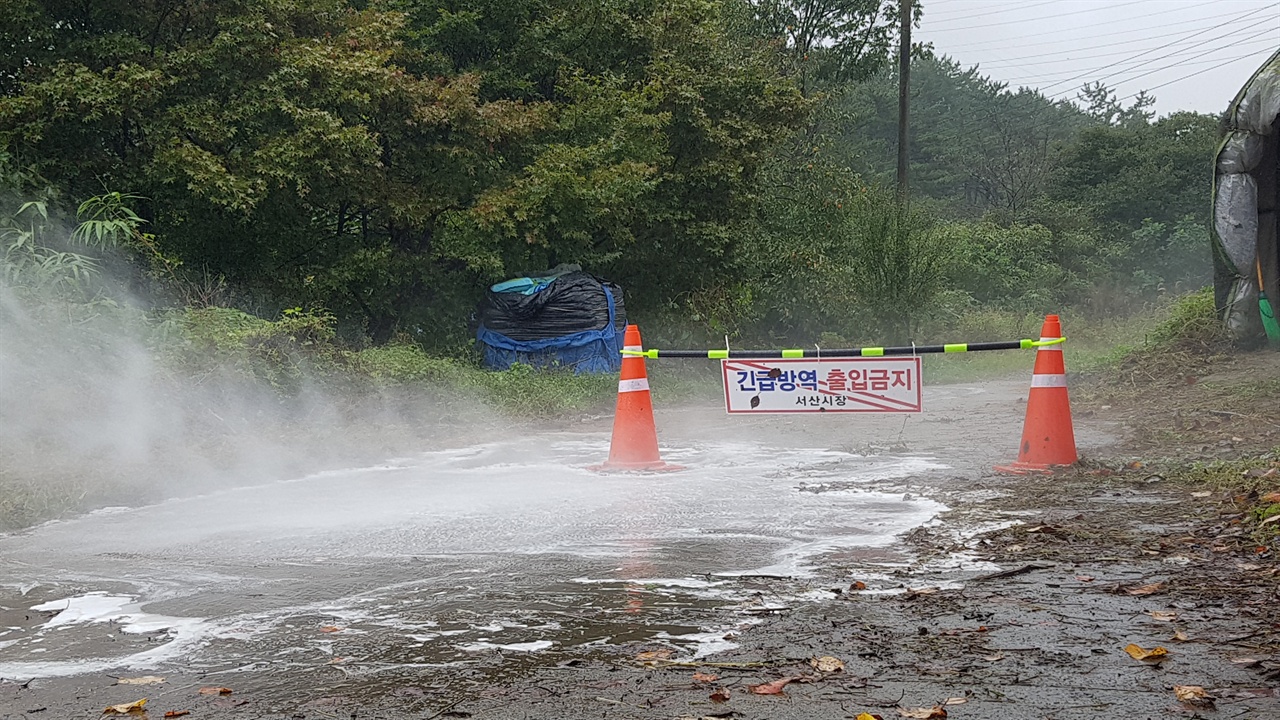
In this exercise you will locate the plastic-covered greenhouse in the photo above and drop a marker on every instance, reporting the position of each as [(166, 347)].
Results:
[(1244, 208)]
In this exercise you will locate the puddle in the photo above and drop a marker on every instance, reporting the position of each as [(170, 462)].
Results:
[(446, 559)]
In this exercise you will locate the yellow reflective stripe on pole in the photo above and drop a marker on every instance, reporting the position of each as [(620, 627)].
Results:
[(793, 353), (1043, 342), (873, 352), (956, 347), (717, 354)]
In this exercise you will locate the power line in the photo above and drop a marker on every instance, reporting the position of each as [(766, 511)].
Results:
[(1047, 76), (1046, 17), (1185, 77), (1003, 46), (995, 12), (1174, 65), (1030, 80), (1160, 47), (1017, 60)]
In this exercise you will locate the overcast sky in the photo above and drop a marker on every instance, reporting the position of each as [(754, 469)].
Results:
[(1190, 54)]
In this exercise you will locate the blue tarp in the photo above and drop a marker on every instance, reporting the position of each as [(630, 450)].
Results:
[(588, 351)]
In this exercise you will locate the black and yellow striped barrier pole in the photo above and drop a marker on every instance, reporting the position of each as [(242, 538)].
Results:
[(821, 353)]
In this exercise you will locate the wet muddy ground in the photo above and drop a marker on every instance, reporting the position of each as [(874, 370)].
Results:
[(504, 581)]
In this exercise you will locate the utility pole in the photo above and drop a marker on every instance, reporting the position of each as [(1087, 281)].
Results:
[(904, 84)]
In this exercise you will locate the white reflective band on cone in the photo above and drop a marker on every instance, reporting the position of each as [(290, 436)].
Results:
[(633, 348), (1048, 381), (1056, 347), (633, 385)]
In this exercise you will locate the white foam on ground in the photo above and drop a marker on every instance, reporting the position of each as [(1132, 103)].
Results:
[(708, 642), (89, 608), (685, 583), (528, 647), (524, 497), (186, 635)]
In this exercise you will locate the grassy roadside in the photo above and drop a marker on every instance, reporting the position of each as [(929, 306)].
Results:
[(301, 351), (1092, 344), (1195, 411)]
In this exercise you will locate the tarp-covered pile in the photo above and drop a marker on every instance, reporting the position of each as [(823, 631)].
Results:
[(561, 318), (1244, 208)]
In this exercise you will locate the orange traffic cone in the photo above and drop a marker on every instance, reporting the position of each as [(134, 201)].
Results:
[(635, 438), (1048, 440)]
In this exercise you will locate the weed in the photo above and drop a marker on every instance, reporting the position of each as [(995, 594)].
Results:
[(1246, 481), (1192, 325)]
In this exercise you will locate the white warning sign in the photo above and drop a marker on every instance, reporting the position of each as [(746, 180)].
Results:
[(864, 385)]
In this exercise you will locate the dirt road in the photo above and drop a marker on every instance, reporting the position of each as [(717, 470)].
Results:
[(505, 582)]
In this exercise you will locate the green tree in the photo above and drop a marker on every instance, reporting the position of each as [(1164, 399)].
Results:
[(386, 160), (1124, 174), (829, 41), (1101, 104), (975, 145)]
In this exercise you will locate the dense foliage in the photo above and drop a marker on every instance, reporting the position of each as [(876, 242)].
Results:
[(382, 161)]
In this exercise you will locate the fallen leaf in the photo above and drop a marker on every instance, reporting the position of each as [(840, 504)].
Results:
[(1150, 589), (858, 585), (214, 690), (1162, 615), (1268, 521), (1245, 661), (720, 695), (1044, 529), (1271, 497), (330, 629), (177, 713), (125, 709), (955, 701), (1180, 636), (827, 664), (1190, 693), (772, 688), (923, 713), (664, 654), (1201, 494), (1085, 578), (1138, 653), (144, 680), (704, 677), (336, 660), (868, 716), (994, 658)]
